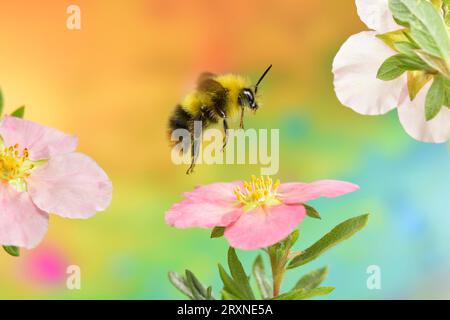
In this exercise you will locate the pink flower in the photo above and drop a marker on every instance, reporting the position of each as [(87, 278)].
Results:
[(256, 214), (40, 173)]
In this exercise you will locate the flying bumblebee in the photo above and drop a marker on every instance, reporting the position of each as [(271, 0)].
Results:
[(216, 98)]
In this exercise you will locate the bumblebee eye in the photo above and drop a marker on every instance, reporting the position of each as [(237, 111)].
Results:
[(250, 98)]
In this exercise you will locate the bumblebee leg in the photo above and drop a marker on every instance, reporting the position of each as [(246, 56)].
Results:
[(242, 119), (225, 130), (194, 154), (195, 147)]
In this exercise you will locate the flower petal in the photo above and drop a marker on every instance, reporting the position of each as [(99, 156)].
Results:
[(70, 185), (355, 69), (297, 192), (412, 118), (190, 213), (22, 224), (264, 226), (42, 142), (376, 15), (222, 192)]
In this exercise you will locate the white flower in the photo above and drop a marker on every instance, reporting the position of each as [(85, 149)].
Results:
[(356, 84)]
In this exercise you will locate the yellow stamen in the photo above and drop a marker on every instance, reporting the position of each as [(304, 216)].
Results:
[(259, 191), (12, 165)]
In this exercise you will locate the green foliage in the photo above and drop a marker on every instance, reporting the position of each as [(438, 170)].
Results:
[(12, 250), (236, 283), (264, 287), (239, 276), (424, 50), (217, 232), (302, 294), (338, 234), (190, 286), (436, 64), (393, 37), (19, 112), (312, 279), (427, 26), (312, 212), (435, 98), (396, 65)]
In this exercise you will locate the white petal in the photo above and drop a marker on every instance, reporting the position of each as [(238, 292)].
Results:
[(355, 70), (412, 118), (376, 15)]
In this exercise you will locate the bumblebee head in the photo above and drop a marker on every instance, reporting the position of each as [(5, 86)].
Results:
[(247, 99)]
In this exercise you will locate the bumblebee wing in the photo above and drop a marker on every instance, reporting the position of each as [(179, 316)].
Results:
[(205, 76), (211, 87)]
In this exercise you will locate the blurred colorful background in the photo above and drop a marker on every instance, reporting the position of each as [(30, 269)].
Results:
[(114, 84)]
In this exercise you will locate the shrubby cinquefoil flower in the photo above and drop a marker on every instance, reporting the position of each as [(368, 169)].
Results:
[(255, 214), (358, 62), (40, 173)]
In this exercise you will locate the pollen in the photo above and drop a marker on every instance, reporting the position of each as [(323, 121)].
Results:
[(13, 164), (259, 191)]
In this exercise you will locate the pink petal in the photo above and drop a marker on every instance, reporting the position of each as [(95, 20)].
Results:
[(222, 192), (296, 192), (412, 118), (376, 15), (355, 70), (264, 226), (22, 224), (190, 213), (42, 142), (70, 185)]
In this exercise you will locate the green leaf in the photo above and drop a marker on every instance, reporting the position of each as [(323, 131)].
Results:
[(229, 296), (197, 289), (181, 284), (390, 38), (302, 294), (1, 101), (435, 63), (393, 67), (229, 285), (435, 98), (312, 279), (311, 212), (447, 92), (338, 234), (427, 26), (209, 295), (238, 274), (19, 112), (217, 232), (261, 279), (12, 250), (406, 48)]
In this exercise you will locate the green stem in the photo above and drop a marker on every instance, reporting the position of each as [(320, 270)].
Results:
[(278, 270)]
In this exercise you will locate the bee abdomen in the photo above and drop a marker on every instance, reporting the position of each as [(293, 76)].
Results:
[(179, 119)]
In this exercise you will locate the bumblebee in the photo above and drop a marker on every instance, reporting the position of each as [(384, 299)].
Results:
[(217, 98)]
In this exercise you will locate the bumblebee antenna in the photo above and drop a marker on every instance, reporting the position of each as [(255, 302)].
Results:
[(262, 77)]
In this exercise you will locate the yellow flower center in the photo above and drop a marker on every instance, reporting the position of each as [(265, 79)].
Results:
[(15, 167), (260, 191)]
